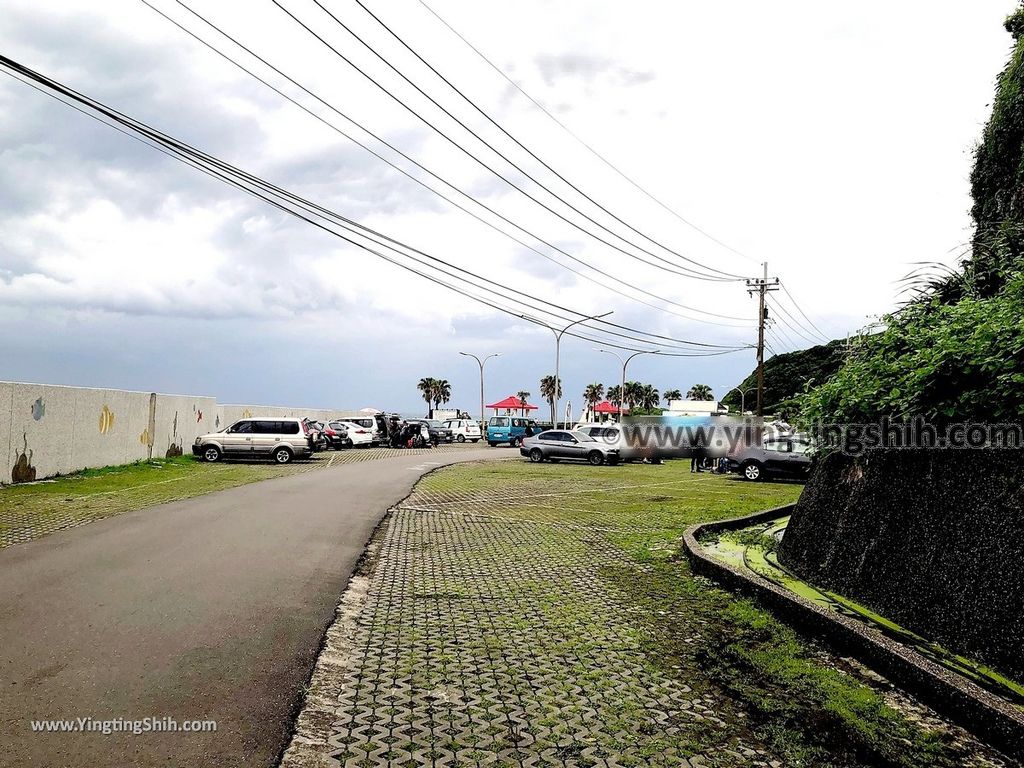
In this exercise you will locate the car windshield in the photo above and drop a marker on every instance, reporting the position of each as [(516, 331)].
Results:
[(583, 437), (434, 424)]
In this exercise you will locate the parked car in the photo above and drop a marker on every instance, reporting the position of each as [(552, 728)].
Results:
[(439, 433), (337, 435), (359, 435), (370, 426), (464, 429), (614, 435), (556, 444), (777, 457), (412, 434), (280, 439), (509, 429)]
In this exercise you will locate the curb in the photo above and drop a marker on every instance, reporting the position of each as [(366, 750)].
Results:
[(961, 700)]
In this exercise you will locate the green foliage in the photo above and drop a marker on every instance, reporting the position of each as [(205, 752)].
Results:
[(997, 180), (787, 376), (944, 362), (700, 392)]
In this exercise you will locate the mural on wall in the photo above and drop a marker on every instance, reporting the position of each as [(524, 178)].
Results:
[(144, 437), (216, 422), (106, 420), (246, 414), (23, 471), (38, 409), (175, 447)]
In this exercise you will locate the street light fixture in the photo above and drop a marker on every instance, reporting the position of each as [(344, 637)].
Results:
[(558, 342), (743, 397), (625, 362), (481, 364)]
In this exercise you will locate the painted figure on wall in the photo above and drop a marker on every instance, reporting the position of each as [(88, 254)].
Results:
[(38, 409), (23, 471)]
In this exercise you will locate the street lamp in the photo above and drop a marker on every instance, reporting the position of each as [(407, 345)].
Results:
[(558, 341), (743, 397), (481, 364), (625, 362)]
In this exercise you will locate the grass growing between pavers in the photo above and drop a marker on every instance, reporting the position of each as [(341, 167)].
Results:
[(543, 615), (36, 509)]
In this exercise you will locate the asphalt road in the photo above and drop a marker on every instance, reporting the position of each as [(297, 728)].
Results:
[(210, 608)]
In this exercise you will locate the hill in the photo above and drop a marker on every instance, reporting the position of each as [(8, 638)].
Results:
[(788, 375)]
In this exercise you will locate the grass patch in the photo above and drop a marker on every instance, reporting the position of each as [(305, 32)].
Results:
[(771, 686), (33, 510)]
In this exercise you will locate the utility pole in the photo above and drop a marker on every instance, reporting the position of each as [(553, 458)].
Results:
[(761, 286)]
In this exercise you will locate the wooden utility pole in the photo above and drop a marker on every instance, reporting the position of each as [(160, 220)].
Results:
[(761, 286)]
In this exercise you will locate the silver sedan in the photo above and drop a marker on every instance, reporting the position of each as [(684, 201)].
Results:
[(556, 444)]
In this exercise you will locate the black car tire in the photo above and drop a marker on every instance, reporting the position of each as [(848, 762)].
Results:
[(612, 461), (753, 471), (461, 438), (211, 453), (596, 458), (514, 442), (282, 455), (477, 440), (536, 456), (491, 444)]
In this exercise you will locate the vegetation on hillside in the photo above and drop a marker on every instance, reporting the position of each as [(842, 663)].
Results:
[(786, 377)]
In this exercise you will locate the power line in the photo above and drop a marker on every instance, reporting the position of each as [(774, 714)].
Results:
[(434, 175), (816, 328), (787, 319), (240, 179), (587, 146), (671, 268), (518, 143)]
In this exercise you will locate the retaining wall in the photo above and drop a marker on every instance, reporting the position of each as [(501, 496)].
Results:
[(47, 430), (932, 539)]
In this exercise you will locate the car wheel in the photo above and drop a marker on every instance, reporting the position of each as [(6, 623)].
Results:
[(612, 461), (477, 440), (752, 471), (211, 453), (461, 438), (282, 456), (514, 442), (595, 458), (491, 444), (536, 456)]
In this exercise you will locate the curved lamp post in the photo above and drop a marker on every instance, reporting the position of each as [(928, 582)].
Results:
[(625, 362), (481, 364), (743, 397), (558, 342)]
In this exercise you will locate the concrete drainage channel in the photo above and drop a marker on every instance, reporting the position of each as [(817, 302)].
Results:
[(974, 697)]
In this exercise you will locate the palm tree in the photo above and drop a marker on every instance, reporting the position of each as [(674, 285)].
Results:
[(700, 392), (631, 393), (426, 388), (614, 394), (592, 395), (523, 396), (442, 392), (672, 394), (649, 397), (547, 391)]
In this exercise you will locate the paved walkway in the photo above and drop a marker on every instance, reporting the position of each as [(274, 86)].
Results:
[(487, 636)]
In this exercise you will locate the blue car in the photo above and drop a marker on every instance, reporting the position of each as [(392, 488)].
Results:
[(510, 429)]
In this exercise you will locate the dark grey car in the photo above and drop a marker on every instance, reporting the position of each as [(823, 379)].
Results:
[(557, 444), (778, 457)]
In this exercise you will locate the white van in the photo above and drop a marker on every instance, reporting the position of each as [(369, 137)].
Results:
[(281, 439), (464, 429)]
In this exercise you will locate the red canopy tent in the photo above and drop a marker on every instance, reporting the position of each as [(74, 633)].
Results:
[(512, 403), (606, 407)]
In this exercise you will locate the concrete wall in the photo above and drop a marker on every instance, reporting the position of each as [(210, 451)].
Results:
[(47, 430)]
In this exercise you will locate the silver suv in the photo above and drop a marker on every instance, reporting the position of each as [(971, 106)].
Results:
[(280, 439), (557, 444)]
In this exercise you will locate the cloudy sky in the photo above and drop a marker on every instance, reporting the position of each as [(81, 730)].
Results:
[(832, 141)]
